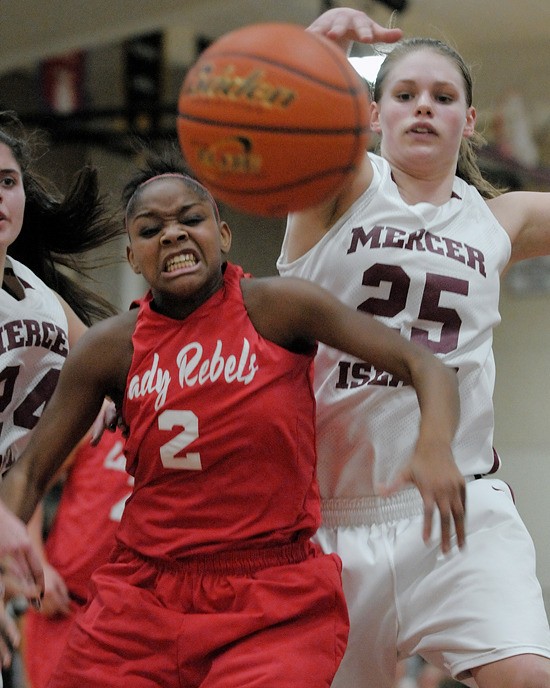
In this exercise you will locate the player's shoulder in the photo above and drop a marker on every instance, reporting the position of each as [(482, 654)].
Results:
[(102, 356), (110, 335)]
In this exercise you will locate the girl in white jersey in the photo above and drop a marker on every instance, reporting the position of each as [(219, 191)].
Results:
[(37, 324), (419, 239)]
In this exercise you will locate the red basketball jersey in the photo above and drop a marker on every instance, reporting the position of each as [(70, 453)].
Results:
[(222, 433), (89, 511)]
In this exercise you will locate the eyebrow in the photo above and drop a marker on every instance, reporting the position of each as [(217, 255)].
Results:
[(157, 213), (437, 84)]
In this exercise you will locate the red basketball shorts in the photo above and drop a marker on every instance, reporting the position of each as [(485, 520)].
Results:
[(259, 619)]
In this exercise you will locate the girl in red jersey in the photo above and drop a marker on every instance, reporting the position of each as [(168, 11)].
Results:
[(215, 580)]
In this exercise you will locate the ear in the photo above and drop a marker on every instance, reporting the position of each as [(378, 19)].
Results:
[(225, 237), (375, 118), (130, 256), (469, 127)]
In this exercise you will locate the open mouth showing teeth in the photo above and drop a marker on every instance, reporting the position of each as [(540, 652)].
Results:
[(422, 130), (185, 260)]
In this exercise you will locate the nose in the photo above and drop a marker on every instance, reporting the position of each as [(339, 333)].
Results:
[(174, 233), (424, 104)]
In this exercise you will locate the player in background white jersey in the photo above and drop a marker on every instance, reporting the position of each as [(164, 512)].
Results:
[(42, 312), (419, 239)]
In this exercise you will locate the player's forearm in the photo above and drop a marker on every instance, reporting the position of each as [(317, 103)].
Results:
[(20, 492), (437, 391), (35, 528)]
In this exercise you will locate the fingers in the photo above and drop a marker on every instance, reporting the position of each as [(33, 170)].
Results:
[(22, 574), (17, 549), (453, 519), (96, 433), (428, 521), (446, 531), (459, 518), (105, 420), (452, 514), (6, 650), (25, 576), (55, 605), (9, 636), (35, 575), (443, 495), (353, 25), (56, 599)]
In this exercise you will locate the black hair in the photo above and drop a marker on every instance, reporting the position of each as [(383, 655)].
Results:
[(154, 164), (58, 231)]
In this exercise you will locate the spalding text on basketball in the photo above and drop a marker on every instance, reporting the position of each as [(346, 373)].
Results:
[(251, 88)]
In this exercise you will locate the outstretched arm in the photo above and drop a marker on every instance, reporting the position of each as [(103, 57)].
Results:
[(305, 228), (288, 310), (525, 215)]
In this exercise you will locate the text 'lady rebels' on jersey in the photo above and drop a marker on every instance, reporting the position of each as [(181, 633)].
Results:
[(194, 368)]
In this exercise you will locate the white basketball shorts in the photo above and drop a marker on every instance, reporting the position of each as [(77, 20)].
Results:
[(458, 611)]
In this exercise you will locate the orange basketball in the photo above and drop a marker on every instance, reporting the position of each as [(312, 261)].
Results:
[(272, 118)]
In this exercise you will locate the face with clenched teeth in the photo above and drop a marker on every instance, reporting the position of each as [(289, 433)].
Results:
[(177, 243)]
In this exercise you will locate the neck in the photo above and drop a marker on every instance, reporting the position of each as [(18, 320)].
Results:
[(180, 305), (436, 190)]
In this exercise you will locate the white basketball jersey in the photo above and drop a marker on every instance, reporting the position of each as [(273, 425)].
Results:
[(431, 273), (33, 347)]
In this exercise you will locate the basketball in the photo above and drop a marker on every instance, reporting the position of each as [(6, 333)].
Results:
[(272, 118)]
